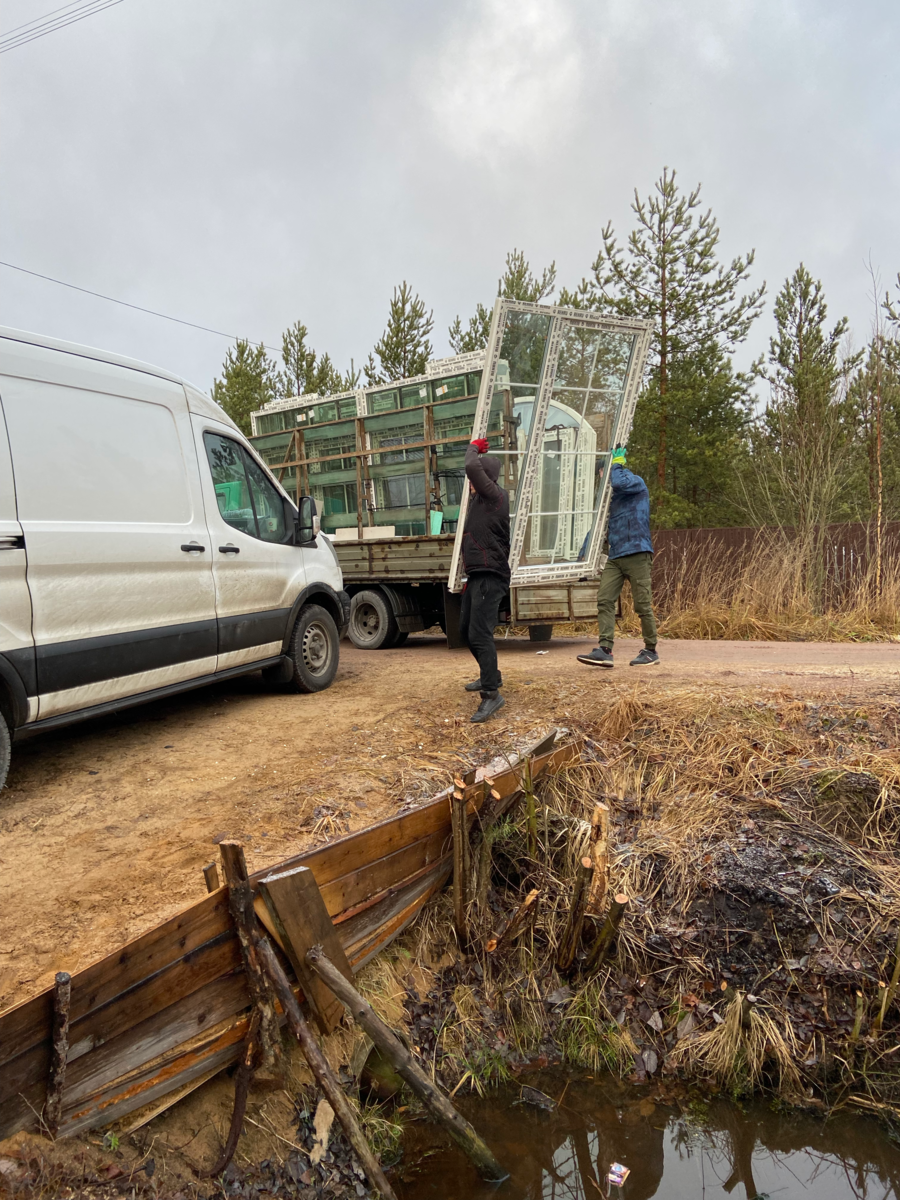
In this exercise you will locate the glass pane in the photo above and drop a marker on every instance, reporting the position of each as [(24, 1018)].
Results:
[(415, 394), (267, 501), (450, 389), (328, 442), (396, 430), (562, 510), (577, 354), (337, 505), (382, 402), (230, 482), (524, 345)]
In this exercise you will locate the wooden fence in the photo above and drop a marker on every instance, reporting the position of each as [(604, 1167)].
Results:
[(684, 556)]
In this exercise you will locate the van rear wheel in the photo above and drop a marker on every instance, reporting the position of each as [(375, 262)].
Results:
[(314, 650)]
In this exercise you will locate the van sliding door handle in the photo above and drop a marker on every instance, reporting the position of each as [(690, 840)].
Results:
[(193, 547), (229, 549)]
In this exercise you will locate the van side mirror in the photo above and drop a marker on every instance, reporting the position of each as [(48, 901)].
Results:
[(307, 521)]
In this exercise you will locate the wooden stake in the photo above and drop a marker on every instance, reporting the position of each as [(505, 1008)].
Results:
[(62, 996), (599, 852), (240, 903), (323, 1073), (243, 1077), (571, 938), (460, 866), (407, 1067), (211, 877), (608, 931), (516, 923)]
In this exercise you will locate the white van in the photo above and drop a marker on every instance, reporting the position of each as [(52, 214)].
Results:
[(144, 546)]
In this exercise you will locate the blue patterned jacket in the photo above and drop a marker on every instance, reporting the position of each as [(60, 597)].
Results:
[(629, 514)]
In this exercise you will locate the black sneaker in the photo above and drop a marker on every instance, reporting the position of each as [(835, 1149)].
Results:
[(646, 658), (491, 702), (598, 657)]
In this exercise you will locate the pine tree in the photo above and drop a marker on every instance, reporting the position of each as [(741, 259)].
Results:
[(249, 381), (802, 472), (669, 271), (403, 349), (516, 283), (305, 373), (708, 412)]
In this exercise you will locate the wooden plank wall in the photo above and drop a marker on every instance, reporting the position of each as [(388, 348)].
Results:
[(171, 1006)]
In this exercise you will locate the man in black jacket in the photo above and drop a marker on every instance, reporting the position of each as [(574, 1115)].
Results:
[(486, 560)]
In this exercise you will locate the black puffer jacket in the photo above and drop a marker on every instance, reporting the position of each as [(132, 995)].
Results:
[(486, 536)]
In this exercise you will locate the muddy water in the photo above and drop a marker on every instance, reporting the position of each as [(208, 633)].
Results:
[(688, 1150)]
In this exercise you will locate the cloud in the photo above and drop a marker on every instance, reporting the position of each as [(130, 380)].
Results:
[(506, 72)]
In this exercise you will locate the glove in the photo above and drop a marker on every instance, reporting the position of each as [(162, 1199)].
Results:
[(481, 445), (619, 456)]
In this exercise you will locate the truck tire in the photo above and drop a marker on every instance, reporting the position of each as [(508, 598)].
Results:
[(314, 649), (540, 633), (400, 640), (373, 625), (5, 750)]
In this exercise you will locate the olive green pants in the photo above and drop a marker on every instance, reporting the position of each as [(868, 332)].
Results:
[(636, 569)]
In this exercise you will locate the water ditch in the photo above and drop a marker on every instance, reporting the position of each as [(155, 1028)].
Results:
[(674, 1148)]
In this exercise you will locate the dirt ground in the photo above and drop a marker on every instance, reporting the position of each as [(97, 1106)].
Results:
[(105, 827)]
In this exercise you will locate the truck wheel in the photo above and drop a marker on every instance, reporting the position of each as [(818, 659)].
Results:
[(540, 633), (372, 622), (314, 649), (5, 750), (401, 638)]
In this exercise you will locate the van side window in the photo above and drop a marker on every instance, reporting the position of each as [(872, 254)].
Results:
[(246, 498), (267, 501), (230, 481)]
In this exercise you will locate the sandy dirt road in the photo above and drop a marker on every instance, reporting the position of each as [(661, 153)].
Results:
[(104, 827)]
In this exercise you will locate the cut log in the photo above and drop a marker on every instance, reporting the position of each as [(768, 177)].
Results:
[(599, 853), (608, 931), (59, 1052), (322, 1072), (458, 805), (408, 1069), (301, 920), (571, 939)]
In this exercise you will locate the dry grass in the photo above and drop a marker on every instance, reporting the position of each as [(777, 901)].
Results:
[(761, 595), (765, 595), (711, 794)]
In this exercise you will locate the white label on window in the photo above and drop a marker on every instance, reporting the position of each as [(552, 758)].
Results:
[(441, 390)]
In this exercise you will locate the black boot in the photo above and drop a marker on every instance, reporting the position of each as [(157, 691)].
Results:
[(475, 685), (491, 702)]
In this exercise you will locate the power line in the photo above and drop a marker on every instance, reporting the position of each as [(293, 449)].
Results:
[(59, 18), (73, 4), (125, 303)]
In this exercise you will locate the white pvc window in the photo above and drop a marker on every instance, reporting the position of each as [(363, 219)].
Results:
[(557, 395)]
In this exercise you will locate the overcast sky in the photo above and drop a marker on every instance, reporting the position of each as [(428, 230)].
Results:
[(244, 165)]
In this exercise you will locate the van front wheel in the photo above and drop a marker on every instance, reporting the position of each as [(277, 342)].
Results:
[(314, 650)]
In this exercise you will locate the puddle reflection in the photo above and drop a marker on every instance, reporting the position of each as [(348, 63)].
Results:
[(710, 1152)]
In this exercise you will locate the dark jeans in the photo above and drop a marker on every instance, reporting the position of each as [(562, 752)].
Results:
[(636, 569), (477, 621)]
